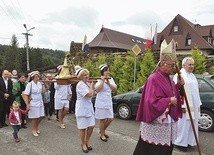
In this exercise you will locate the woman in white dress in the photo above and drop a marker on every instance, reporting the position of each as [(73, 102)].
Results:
[(62, 94), (103, 103), (84, 110), (36, 113)]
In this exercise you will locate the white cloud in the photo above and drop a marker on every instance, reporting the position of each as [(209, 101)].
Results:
[(57, 23)]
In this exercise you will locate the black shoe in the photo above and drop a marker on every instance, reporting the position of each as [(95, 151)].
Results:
[(89, 148), (5, 125), (181, 148), (103, 139), (1, 126), (85, 151), (106, 136)]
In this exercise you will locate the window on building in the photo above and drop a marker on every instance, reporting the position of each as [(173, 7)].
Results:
[(175, 28), (138, 41), (210, 41), (188, 41)]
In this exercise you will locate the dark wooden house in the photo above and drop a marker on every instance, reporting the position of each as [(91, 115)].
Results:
[(110, 41), (187, 35)]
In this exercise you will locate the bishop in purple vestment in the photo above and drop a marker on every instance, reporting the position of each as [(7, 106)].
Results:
[(159, 110)]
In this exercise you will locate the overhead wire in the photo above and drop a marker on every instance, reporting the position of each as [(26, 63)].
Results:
[(9, 15), (21, 9), (12, 17)]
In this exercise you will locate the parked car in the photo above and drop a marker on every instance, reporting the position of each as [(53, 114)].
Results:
[(125, 105)]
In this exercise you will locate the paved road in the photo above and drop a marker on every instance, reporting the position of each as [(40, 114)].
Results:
[(55, 141)]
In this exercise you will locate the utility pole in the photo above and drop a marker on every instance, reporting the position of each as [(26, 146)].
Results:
[(27, 44)]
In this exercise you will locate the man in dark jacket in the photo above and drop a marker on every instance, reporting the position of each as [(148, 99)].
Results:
[(6, 97)]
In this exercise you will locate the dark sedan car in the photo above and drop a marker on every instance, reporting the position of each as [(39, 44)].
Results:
[(125, 105)]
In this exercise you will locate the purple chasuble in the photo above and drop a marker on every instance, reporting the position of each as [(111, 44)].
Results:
[(156, 96)]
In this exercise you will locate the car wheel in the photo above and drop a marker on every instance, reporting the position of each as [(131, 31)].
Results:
[(206, 121), (124, 111)]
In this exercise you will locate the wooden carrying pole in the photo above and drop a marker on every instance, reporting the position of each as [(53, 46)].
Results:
[(188, 109), (72, 80)]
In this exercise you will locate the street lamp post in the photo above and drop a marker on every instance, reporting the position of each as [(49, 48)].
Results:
[(27, 44)]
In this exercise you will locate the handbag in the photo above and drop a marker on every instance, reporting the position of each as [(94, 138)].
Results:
[(27, 98)]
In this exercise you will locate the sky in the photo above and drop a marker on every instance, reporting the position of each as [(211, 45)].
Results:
[(57, 23)]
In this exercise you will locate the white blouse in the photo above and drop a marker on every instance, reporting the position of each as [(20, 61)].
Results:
[(104, 97), (35, 89), (84, 106)]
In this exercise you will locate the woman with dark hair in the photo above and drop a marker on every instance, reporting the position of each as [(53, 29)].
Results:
[(35, 89), (103, 103), (18, 88)]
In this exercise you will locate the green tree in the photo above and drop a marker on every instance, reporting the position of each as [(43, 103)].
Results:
[(200, 61), (14, 41), (90, 67), (20, 60), (35, 58), (10, 56), (101, 59), (9, 59), (126, 84), (146, 67), (116, 69)]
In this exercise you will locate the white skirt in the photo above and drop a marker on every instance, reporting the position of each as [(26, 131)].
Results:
[(60, 104), (36, 112), (101, 113), (85, 122)]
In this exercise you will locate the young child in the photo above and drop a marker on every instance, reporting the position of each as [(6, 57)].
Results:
[(15, 119), (47, 104)]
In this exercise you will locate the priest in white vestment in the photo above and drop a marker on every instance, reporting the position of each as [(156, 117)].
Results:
[(185, 137)]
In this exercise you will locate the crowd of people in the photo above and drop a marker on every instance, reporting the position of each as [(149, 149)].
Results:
[(162, 112), (30, 97)]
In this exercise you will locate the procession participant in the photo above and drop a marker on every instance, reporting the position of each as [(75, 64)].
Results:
[(52, 89), (186, 136), (49, 77), (18, 88), (52, 93), (15, 119), (103, 103), (34, 90), (159, 107), (6, 97), (49, 96), (84, 110), (47, 103), (61, 102), (74, 94)]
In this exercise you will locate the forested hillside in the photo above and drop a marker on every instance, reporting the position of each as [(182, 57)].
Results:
[(13, 57)]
